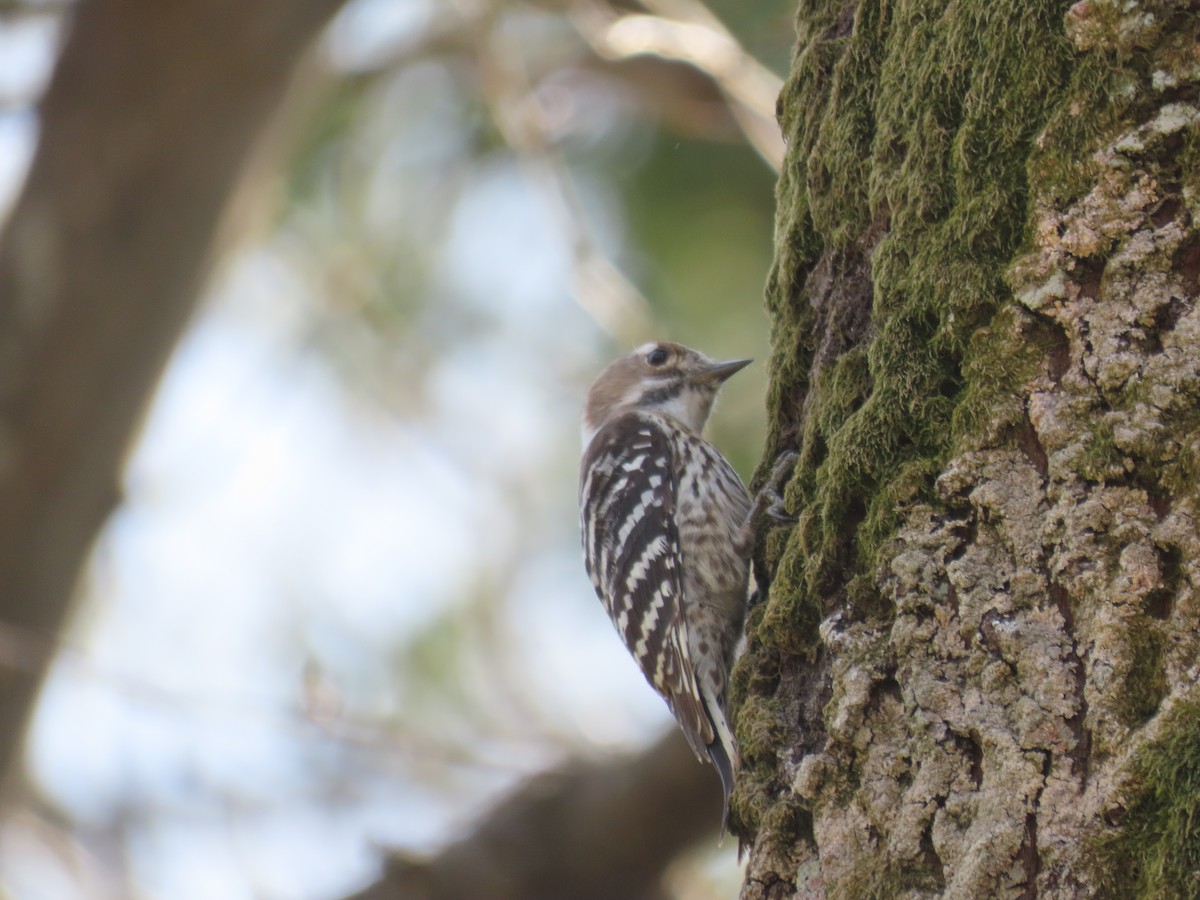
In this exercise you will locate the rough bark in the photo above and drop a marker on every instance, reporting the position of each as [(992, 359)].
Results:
[(146, 127), (594, 831), (976, 674)]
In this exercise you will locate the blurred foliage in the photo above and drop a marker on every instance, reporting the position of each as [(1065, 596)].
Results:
[(663, 209)]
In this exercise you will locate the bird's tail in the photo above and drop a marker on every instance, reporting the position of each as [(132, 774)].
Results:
[(723, 753)]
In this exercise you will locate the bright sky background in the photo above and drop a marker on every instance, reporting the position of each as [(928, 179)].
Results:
[(281, 539)]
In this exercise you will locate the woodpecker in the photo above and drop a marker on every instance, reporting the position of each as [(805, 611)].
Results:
[(667, 530)]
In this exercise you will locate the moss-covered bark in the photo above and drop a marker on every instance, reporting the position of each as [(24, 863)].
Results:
[(976, 673)]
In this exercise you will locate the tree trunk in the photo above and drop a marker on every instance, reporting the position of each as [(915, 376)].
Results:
[(976, 671)]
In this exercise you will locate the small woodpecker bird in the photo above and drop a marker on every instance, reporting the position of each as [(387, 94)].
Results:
[(667, 533)]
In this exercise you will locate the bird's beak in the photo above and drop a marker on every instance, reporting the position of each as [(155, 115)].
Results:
[(719, 372)]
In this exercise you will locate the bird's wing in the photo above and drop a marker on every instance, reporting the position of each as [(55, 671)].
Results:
[(632, 552)]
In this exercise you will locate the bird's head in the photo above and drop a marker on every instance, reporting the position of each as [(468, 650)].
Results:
[(660, 377)]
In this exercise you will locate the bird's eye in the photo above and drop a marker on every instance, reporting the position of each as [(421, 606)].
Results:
[(657, 357)]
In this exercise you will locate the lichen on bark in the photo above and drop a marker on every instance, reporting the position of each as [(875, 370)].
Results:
[(967, 677)]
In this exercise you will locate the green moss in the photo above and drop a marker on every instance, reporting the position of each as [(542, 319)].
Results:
[(1001, 359), (758, 725), (788, 829), (790, 622), (1145, 685), (1101, 460), (868, 882), (914, 122), (844, 387), (863, 597), (1100, 104), (1156, 852), (1183, 472), (836, 179), (1188, 160), (910, 483)]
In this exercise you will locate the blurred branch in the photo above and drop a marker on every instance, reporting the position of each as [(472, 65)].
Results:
[(147, 127), (685, 30), (737, 98), (13, 9), (600, 288), (592, 831), (682, 30)]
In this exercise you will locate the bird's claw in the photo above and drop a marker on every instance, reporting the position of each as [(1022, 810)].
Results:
[(784, 466), (768, 503), (777, 511)]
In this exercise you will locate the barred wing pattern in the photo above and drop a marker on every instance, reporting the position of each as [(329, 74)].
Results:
[(631, 550)]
